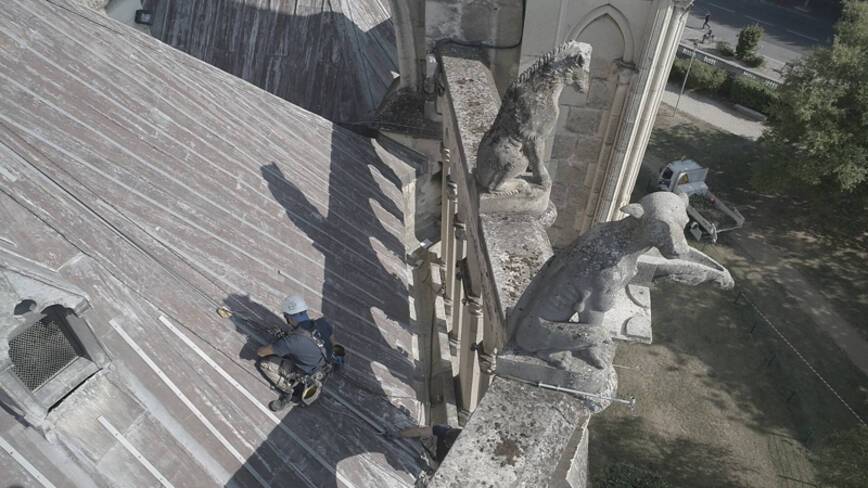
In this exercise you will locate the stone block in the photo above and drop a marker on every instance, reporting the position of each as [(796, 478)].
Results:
[(563, 117), (442, 20), (475, 101), (520, 436), (565, 219), (564, 145), (571, 97), (600, 94), (577, 472), (517, 249), (559, 194), (477, 19), (571, 178), (584, 121), (581, 376), (552, 165), (587, 150)]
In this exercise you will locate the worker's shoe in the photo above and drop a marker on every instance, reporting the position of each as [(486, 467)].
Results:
[(281, 403)]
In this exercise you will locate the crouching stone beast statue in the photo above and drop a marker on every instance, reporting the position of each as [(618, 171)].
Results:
[(585, 278)]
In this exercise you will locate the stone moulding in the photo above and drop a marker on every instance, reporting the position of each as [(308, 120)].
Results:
[(530, 199), (521, 436)]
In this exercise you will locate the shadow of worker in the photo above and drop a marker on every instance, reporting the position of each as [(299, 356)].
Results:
[(367, 304)]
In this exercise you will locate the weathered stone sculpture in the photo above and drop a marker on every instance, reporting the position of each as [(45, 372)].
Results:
[(585, 279), (528, 114)]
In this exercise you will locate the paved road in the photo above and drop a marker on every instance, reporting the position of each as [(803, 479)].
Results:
[(789, 34)]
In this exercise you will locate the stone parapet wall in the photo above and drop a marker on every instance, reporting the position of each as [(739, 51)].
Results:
[(520, 436), (516, 434), (469, 107)]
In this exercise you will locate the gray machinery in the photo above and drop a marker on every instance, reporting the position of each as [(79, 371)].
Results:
[(709, 216)]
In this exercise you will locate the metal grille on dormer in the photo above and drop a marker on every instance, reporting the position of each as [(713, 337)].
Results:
[(42, 351)]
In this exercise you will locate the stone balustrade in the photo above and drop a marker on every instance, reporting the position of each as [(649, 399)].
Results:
[(515, 434)]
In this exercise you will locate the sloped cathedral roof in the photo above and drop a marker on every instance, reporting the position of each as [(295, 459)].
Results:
[(332, 57), (162, 188)]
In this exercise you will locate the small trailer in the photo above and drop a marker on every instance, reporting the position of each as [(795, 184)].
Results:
[(709, 216)]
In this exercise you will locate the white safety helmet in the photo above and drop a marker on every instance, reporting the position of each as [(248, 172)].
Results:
[(293, 304)]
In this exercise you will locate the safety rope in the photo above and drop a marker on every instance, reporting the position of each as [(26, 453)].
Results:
[(801, 356)]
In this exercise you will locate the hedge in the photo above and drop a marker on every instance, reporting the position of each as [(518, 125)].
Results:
[(742, 90), (725, 49), (702, 76), (754, 60), (752, 94)]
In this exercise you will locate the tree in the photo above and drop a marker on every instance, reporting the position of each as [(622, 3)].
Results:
[(748, 41), (817, 132), (840, 460)]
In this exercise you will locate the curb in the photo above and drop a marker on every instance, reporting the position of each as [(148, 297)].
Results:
[(751, 113)]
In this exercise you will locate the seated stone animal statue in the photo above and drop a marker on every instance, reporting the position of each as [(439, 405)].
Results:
[(585, 278), (515, 143)]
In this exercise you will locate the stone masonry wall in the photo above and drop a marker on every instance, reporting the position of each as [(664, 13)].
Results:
[(601, 135), (492, 22), (519, 435)]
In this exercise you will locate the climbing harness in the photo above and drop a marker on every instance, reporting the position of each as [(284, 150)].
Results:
[(288, 377)]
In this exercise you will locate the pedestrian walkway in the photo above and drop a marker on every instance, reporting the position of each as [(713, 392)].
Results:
[(717, 113)]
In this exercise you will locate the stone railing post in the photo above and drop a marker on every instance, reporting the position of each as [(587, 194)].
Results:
[(447, 233), (457, 292), (469, 370)]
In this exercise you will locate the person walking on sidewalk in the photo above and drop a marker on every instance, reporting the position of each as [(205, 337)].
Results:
[(708, 36), (707, 19)]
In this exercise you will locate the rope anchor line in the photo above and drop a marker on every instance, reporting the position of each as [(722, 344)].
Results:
[(743, 296), (631, 402)]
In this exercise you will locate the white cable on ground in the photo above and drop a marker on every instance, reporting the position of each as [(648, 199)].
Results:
[(801, 357)]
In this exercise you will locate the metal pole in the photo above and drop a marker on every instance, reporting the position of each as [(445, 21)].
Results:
[(630, 403), (539, 384), (686, 75)]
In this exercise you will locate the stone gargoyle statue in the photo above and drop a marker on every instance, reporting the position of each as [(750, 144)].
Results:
[(528, 113), (585, 278)]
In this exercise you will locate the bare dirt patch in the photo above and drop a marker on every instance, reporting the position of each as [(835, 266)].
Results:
[(723, 400), (710, 411)]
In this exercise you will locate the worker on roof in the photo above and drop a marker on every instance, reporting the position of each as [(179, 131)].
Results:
[(304, 351)]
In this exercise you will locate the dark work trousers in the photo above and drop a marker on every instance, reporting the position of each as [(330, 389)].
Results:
[(280, 373)]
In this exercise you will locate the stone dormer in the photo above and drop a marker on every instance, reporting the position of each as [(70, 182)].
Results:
[(47, 348)]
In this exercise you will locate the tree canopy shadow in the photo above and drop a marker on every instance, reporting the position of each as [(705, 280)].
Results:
[(365, 298), (680, 461)]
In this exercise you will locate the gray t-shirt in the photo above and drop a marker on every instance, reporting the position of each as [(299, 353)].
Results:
[(302, 349)]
